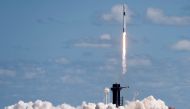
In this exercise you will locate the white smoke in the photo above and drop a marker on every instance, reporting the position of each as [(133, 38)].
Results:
[(147, 103)]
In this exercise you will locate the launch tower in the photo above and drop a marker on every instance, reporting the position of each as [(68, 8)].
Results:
[(116, 99)]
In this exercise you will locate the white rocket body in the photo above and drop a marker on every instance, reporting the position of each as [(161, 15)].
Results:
[(124, 18)]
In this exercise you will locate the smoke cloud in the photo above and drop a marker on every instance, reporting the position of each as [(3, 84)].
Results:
[(147, 103), (159, 17)]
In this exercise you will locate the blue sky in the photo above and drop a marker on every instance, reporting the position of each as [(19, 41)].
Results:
[(68, 50)]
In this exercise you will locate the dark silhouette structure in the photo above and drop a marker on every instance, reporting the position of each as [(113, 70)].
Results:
[(116, 99), (171, 107)]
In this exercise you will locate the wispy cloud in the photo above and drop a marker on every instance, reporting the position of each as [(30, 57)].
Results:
[(105, 36), (140, 62), (62, 60), (5, 82), (115, 14), (71, 79), (158, 16), (7, 73), (98, 42), (182, 45), (153, 83), (92, 45), (49, 20), (103, 40), (33, 72), (110, 64)]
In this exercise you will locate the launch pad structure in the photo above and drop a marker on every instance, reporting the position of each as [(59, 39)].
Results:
[(116, 98)]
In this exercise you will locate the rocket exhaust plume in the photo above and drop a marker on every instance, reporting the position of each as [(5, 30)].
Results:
[(124, 52), (124, 44)]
